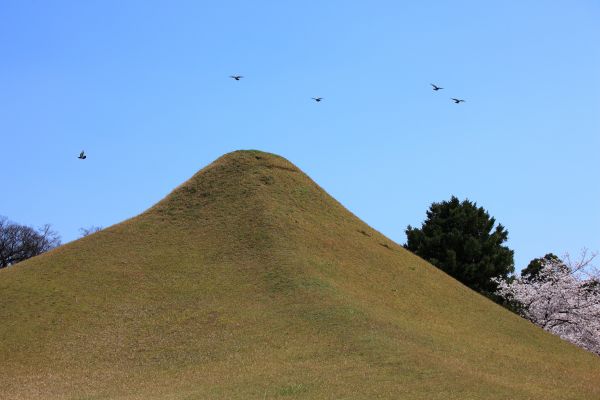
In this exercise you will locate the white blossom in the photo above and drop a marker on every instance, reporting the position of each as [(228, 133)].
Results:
[(564, 299)]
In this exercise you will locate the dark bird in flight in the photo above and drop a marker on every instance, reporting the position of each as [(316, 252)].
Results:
[(236, 77), (436, 87), (456, 101), (82, 155), (317, 99)]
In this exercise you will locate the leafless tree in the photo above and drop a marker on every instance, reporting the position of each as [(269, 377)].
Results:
[(20, 242), (88, 231)]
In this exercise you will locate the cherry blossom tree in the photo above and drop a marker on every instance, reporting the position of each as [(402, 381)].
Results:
[(563, 298)]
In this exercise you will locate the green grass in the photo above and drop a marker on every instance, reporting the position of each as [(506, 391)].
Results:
[(248, 281)]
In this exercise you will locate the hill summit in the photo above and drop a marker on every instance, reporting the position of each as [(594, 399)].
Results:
[(249, 281)]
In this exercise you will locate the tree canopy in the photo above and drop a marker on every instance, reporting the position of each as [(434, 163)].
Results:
[(460, 238), (562, 298), (20, 242), (533, 269)]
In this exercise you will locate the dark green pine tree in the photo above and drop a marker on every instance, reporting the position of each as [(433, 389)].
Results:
[(460, 239), (534, 267)]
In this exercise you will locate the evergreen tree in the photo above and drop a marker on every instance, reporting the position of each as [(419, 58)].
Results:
[(532, 271), (460, 239)]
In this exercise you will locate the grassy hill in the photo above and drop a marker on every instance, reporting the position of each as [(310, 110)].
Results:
[(248, 281)]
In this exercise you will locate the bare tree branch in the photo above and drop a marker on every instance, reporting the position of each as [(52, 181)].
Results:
[(20, 242)]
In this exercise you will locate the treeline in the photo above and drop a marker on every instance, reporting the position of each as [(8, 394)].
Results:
[(560, 295), (20, 242)]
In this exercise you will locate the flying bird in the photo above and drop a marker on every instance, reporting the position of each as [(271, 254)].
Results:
[(82, 155), (436, 87), (317, 99), (456, 101), (236, 77)]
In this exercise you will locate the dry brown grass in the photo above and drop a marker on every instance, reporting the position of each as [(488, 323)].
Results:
[(250, 282)]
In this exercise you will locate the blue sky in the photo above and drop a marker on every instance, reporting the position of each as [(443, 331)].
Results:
[(143, 87)]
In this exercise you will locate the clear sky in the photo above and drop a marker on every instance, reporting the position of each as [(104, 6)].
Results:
[(143, 87)]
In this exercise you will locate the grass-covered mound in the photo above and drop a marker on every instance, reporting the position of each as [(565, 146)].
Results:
[(250, 282)]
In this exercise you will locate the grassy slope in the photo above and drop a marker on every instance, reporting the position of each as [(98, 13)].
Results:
[(248, 281)]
